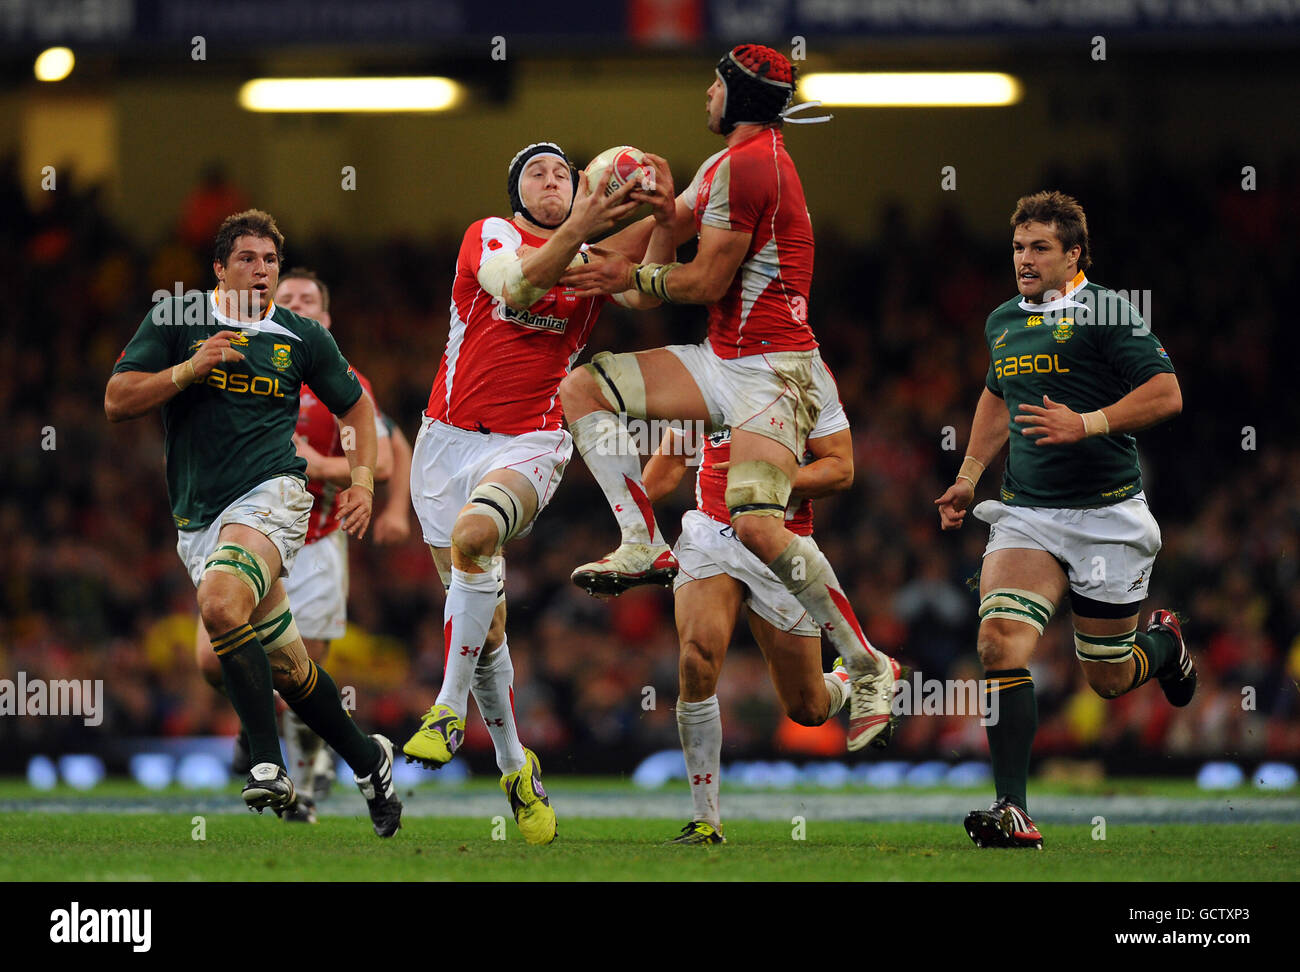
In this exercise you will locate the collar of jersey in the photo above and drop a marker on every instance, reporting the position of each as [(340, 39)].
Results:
[(266, 324), (1061, 302)]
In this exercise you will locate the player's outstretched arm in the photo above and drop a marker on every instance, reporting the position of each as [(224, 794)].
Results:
[(831, 470), (357, 501), (988, 434), (130, 394), (1154, 401)]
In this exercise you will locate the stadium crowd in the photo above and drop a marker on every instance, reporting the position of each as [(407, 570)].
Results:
[(91, 587)]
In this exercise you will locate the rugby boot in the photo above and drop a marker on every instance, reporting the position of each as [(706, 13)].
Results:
[(631, 565)]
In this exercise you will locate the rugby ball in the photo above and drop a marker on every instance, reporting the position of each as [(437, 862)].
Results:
[(613, 168)]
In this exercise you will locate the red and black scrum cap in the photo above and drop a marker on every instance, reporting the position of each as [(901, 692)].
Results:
[(759, 83)]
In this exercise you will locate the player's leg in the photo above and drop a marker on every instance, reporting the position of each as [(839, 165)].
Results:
[(706, 611), (1111, 553), (1019, 591), (236, 577), (808, 695), (597, 399), (210, 668), (310, 692), (758, 488), (500, 506), (303, 749)]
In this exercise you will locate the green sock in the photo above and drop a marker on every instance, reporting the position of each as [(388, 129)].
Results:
[(317, 703), (247, 677), (1011, 734), (1152, 653)]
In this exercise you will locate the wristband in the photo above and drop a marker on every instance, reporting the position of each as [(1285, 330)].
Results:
[(971, 470), (363, 477), (188, 377), (650, 279), (1095, 423)]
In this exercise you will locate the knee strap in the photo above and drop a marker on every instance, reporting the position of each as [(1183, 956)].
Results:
[(1112, 649), (1014, 604), (618, 376), (756, 488), (278, 629), (231, 558), (502, 506)]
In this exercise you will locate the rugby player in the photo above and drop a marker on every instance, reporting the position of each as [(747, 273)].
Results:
[(1074, 372), (756, 372), (491, 448), (225, 367), (318, 586), (716, 575)]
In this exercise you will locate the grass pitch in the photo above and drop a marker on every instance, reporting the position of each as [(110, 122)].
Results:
[(121, 832)]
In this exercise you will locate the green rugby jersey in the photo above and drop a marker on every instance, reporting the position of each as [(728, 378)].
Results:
[(234, 428), (1087, 349)]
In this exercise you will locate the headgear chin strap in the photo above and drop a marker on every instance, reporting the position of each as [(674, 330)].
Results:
[(516, 170)]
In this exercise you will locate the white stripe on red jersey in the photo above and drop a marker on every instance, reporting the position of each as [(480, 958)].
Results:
[(502, 368), (753, 187)]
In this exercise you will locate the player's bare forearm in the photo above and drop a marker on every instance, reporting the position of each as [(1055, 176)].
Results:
[(830, 472), (1053, 423), (1156, 400), (131, 394), (988, 429), (706, 279), (399, 483), (357, 428)]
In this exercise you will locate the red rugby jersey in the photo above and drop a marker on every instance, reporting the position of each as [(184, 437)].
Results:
[(753, 187), (502, 368), (321, 428)]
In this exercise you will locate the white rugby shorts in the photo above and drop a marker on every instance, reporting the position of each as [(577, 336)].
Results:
[(318, 587), (279, 508), (707, 548), (448, 462), (778, 395), (1107, 551)]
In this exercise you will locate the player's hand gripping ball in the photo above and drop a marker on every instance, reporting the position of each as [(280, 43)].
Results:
[(613, 168)]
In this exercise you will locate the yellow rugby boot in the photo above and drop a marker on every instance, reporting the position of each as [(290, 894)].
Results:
[(440, 735), (528, 800)]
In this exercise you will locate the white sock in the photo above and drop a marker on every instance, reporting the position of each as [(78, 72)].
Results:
[(300, 747), (838, 690), (494, 692), (699, 726), (807, 574), (615, 462), (467, 615)]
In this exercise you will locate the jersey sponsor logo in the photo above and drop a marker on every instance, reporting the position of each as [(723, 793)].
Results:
[(1029, 364), (280, 357), (1034, 321), (241, 384), (525, 318)]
